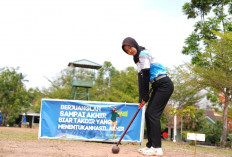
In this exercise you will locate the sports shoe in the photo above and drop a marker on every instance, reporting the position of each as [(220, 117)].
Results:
[(142, 149), (153, 151)]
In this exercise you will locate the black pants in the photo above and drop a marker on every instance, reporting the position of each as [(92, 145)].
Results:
[(162, 90)]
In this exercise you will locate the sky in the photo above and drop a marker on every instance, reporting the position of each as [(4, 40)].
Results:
[(42, 36)]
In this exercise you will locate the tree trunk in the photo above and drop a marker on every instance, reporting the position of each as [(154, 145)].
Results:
[(222, 14), (225, 125), (181, 126), (169, 131), (4, 118)]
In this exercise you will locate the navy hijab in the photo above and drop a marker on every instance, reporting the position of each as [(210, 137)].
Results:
[(131, 42)]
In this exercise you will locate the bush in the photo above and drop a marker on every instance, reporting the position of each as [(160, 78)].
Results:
[(228, 144), (212, 132), (184, 134)]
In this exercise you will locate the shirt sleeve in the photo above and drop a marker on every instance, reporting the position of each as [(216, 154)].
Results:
[(144, 61), (140, 86), (145, 70), (145, 84)]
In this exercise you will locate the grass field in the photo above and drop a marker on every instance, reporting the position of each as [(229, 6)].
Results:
[(16, 142)]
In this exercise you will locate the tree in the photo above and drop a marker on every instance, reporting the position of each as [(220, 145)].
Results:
[(185, 95), (123, 87), (188, 113), (186, 92), (61, 85), (103, 82), (36, 102), (212, 132), (14, 97), (110, 84), (169, 116), (217, 75), (220, 22), (212, 66), (109, 71), (197, 122)]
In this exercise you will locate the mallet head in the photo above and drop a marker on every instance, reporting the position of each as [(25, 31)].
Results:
[(115, 149)]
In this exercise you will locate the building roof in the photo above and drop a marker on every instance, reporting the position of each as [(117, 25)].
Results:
[(212, 116), (84, 63), (30, 114)]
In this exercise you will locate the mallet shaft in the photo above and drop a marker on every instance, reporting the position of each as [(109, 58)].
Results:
[(131, 122), (128, 127)]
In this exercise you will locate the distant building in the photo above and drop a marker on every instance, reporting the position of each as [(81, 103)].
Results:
[(32, 119), (211, 116)]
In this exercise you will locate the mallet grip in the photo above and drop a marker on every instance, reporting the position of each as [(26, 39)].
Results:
[(142, 104)]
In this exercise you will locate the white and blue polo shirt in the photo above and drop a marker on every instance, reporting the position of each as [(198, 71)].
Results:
[(146, 61)]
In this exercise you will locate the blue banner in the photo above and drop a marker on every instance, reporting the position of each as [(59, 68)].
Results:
[(91, 121)]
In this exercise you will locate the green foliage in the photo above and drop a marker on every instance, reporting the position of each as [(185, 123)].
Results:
[(163, 122), (218, 58), (193, 119), (123, 86), (212, 132), (185, 96), (196, 122), (36, 101), (230, 114), (126, 82), (36, 108), (197, 7), (61, 86), (186, 92), (215, 74), (213, 98), (193, 44), (103, 83), (220, 22), (184, 134), (230, 8), (109, 85), (14, 98)]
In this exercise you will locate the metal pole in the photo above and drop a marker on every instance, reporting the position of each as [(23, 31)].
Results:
[(174, 129)]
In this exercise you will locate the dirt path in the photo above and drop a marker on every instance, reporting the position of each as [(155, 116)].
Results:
[(33, 147)]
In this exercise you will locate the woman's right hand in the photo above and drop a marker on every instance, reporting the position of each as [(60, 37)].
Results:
[(141, 104)]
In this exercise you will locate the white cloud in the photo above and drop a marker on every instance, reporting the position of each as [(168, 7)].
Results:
[(43, 36)]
